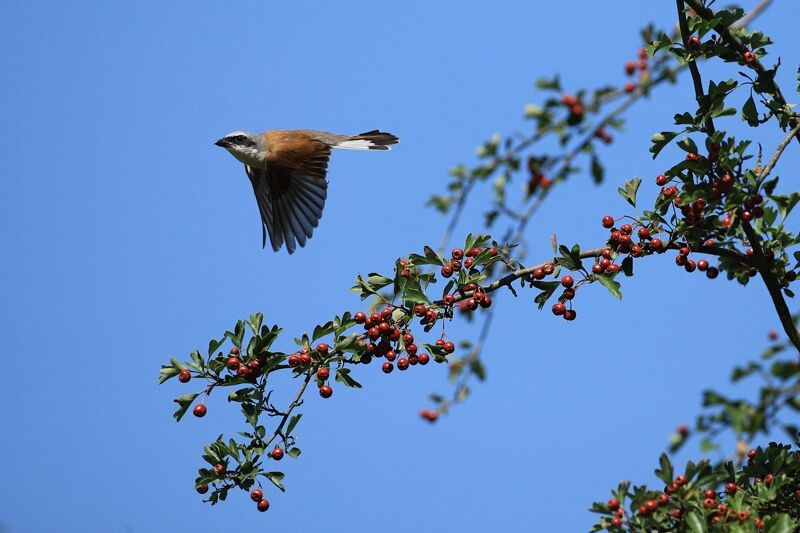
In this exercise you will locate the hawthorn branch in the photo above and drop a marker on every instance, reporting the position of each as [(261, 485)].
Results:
[(731, 40), (773, 285), (696, 79), (295, 403)]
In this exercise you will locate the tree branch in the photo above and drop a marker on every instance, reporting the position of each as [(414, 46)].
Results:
[(777, 155), (696, 79)]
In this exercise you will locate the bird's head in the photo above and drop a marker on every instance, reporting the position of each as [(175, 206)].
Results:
[(244, 146)]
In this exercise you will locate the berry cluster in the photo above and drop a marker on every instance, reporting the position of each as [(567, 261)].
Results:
[(538, 179), (632, 66), (386, 339)]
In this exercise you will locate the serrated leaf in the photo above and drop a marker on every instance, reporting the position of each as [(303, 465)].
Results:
[(183, 404), (611, 284), (630, 190), (749, 112), (166, 373), (275, 478), (660, 140), (343, 376), (687, 144)]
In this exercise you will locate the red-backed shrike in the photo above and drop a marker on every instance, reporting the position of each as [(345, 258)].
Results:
[(287, 169)]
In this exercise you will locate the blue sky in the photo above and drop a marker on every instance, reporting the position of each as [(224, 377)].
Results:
[(130, 238)]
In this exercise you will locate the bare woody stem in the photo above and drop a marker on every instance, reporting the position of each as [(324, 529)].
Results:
[(285, 415), (696, 79)]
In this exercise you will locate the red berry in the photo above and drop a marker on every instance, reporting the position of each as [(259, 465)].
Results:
[(731, 488), (559, 308), (643, 233), (402, 363), (709, 503), (262, 505), (702, 265), (449, 347), (294, 360), (693, 42), (277, 453), (391, 355), (234, 351), (184, 376), (373, 333), (538, 273), (233, 363), (630, 67), (712, 272), (608, 221), (549, 269), (680, 480), (570, 314), (567, 281), (457, 254), (199, 410), (387, 367), (662, 500), (424, 358), (305, 359), (752, 453), (650, 505), (568, 294), (626, 229), (446, 271), (323, 373), (420, 310), (568, 100), (613, 504), (616, 521), (743, 516), (202, 489), (360, 317), (219, 469), (749, 57), (256, 495), (325, 391), (598, 268), (322, 348), (629, 87), (709, 493), (661, 180), (677, 513)]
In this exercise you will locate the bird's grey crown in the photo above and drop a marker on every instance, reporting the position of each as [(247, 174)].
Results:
[(242, 138)]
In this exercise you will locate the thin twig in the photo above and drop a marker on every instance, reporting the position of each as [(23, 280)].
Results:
[(777, 155)]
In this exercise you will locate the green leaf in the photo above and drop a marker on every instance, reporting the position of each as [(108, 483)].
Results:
[(630, 190), (553, 84), (598, 171), (213, 345), (167, 372), (611, 284), (548, 288), (343, 376), (688, 145), (660, 140), (696, 523), (294, 452), (749, 112), (782, 523), (627, 266), (275, 478), (183, 404)]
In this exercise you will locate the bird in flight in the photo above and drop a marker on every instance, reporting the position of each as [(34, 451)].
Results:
[(287, 170)]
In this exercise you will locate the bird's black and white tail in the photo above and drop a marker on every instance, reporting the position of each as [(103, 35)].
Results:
[(371, 140)]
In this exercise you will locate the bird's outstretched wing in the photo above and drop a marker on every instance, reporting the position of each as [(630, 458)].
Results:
[(291, 190)]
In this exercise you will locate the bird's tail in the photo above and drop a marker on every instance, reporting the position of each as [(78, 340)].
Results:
[(371, 140)]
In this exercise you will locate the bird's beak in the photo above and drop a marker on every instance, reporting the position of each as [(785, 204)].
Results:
[(222, 142)]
